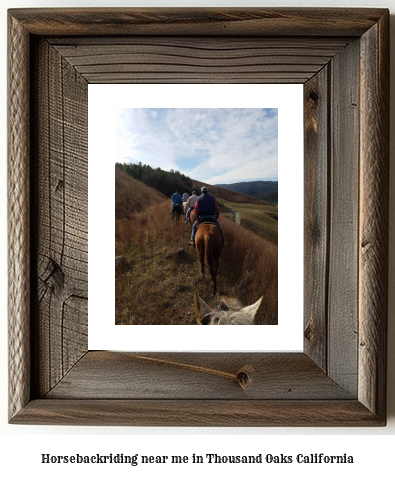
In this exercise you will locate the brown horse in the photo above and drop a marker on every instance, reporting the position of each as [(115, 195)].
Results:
[(208, 242), (191, 217)]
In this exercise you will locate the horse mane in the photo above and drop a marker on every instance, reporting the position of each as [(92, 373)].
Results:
[(231, 312), (227, 317)]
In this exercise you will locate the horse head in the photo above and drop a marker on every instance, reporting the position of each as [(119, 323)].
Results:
[(235, 314)]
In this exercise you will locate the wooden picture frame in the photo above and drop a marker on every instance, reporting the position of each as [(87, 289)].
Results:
[(342, 58)]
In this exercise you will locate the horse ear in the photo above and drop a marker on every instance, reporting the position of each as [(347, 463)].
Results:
[(223, 305), (201, 308), (251, 310)]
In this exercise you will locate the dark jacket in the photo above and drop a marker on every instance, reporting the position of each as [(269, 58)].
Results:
[(206, 205)]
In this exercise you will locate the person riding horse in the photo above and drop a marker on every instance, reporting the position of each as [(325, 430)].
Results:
[(190, 205), (206, 209), (185, 197), (176, 199)]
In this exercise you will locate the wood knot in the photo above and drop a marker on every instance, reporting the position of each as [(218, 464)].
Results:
[(309, 331), (54, 275), (244, 376), (366, 245), (59, 185), (313, 96)]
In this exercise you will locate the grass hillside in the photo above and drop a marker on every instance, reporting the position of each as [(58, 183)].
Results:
[(160, 270), (131, 198), (164, 181), (259, 217)]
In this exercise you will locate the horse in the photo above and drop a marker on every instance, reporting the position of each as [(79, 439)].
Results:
[(191, 217), (230, 312), (176, 211), (208, 242)]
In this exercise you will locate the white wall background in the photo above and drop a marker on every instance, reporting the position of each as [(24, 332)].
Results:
[(22, 446)]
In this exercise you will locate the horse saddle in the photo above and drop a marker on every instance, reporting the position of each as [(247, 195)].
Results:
[(208, 221)]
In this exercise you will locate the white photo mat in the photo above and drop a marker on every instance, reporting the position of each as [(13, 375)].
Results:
[(103, 334)]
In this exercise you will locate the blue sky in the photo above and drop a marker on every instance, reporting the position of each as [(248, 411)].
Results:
[(216, 145)]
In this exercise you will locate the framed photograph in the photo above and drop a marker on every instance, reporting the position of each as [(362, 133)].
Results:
[(225, 130), (341, 59)]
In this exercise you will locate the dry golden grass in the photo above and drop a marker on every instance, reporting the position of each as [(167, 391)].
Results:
[(258, 218), (156, 285), (132, 197), (161, 271), (251, 264)]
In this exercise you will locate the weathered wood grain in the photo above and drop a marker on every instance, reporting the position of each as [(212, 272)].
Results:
[(316, 215), (196, 375), (373, 227), (199, 413), (329, 22), (160, 59), (18, 218), (61, 226), (348, 226), (344, 217)]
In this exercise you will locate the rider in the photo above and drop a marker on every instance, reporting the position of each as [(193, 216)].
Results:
[(206, 209), (176, 199), (191, 204), (185, 197)]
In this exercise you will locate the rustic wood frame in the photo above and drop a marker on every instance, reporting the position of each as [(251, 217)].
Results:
[(341, 57)]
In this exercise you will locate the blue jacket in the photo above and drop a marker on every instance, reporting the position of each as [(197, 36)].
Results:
[(207, 205), (176, 199)]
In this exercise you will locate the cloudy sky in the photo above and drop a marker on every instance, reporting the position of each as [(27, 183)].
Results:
[(210, 145)]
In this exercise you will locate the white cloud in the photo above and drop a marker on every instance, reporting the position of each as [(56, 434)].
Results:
[(207, 144)]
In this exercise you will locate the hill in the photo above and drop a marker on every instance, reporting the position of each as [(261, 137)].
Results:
[(261, 219), (256, 215), (226, 193), (159, 270), (131, 195), (265, 190), (165, 182), (131, 198)]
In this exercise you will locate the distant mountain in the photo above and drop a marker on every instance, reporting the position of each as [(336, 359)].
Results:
[(264, 190), (226, 193)]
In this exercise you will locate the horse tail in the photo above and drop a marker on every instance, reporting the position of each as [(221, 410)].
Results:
[(209, 243), (209, 240)]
